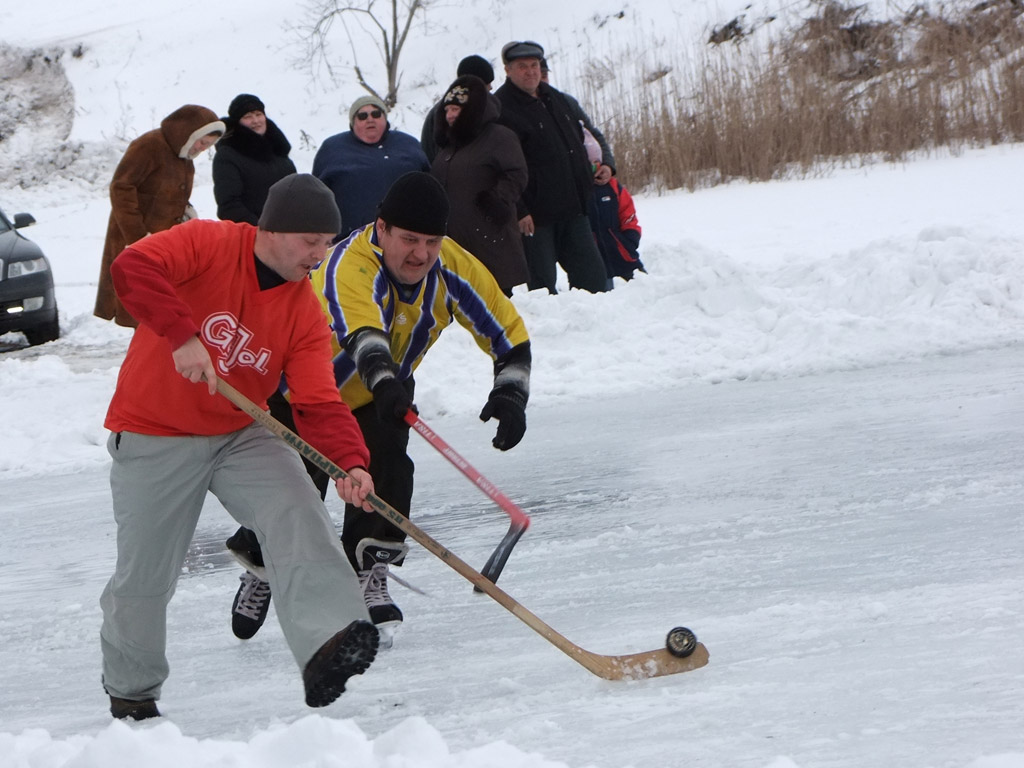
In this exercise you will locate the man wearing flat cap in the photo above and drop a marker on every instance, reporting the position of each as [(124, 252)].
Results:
[(230, 300), (360, 164), (553, 209), (390, 290)]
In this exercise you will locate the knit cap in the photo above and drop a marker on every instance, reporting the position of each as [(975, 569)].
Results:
[(476, 65), (243, 104), (364, 101), (300, 203), (416, 202)]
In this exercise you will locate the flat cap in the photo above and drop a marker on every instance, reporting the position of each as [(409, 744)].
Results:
[(521, 49)]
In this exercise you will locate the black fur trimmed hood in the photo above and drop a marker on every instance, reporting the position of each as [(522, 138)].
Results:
[(249, 143), (479, 108)]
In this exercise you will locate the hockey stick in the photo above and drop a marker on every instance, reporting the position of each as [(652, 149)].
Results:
[(632, 666), (520, 521)]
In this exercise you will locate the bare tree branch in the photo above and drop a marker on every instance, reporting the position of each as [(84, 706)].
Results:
[(392, 39)]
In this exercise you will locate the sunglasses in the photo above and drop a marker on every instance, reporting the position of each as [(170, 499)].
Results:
[(376, 114)]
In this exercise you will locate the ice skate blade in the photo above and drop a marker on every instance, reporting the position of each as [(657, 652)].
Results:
[(388, 630), (258, 570)]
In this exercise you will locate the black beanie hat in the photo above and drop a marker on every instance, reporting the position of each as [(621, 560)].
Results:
[(300, 203), (476, 65), (416, 202), (243, 104), (458, 93)]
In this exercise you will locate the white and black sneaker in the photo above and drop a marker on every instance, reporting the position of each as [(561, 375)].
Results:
[(249, 610), (374, 556)]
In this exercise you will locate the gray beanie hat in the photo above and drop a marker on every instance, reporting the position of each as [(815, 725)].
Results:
[(365, 101), (300, 203)]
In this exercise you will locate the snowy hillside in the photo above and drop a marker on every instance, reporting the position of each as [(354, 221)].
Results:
[(130, 64)]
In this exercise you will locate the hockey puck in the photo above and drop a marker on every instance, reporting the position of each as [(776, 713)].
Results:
[(681, 642)]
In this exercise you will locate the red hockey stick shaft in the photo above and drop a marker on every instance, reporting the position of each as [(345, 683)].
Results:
[(520, 520)]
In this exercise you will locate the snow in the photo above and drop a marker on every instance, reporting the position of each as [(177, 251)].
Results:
[(799, 435)]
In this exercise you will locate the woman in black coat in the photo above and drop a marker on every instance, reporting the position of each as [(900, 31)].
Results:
[(481, 165), (252, 156)]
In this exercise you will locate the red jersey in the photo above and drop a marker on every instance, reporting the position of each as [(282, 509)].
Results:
[(199, 278)]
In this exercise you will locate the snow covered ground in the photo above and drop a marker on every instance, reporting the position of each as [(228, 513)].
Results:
[(847, 545), (800, 435)]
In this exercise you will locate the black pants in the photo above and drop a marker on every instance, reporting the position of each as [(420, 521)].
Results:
[(390, 467), (392, 472), (569, 243)]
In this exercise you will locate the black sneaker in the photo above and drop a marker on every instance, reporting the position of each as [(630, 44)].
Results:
[(127, 709), (374, 557), (350, 652), (245, 548), (249, 610)]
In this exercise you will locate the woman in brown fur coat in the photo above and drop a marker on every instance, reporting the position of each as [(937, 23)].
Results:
[(150, 190)]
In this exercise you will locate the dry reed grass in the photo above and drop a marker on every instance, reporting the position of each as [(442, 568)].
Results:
[(838, 88)]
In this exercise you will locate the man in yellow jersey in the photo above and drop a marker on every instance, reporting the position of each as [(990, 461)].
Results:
[(389, 291)]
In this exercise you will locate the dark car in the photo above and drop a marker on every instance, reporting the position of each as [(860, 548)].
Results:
[(27, 302)]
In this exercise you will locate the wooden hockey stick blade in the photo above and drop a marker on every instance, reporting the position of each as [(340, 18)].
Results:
[(633, 666)]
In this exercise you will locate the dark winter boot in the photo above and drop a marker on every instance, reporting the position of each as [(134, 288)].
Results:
[(249, 610), (350, 652), (128, 709), (374, 556)]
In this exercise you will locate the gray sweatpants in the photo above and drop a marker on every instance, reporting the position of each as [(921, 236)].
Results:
[(158, 486)]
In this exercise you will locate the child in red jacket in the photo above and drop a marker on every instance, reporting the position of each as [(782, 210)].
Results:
[(616, 230), (613, 220)]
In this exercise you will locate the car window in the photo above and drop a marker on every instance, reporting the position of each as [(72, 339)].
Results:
[(4, 227)]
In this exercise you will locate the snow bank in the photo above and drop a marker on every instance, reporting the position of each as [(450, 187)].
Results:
[(312, 742)]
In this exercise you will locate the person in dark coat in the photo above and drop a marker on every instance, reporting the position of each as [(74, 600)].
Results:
[(606, 163), (250, 158), (150, 191), (481, 166), (361, 164), (553, 209), (471, 65)]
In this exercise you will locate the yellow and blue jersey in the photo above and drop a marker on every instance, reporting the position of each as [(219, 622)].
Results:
[(356, 292)]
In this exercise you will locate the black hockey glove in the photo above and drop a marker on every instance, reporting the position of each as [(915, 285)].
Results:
[(392, 401), (509, 406)]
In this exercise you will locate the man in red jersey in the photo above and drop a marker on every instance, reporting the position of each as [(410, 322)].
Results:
[(231, 300)]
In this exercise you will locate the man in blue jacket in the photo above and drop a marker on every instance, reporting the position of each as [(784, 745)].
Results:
[(361, 164)]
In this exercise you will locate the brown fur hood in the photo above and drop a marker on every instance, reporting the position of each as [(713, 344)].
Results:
[(184, 125)]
